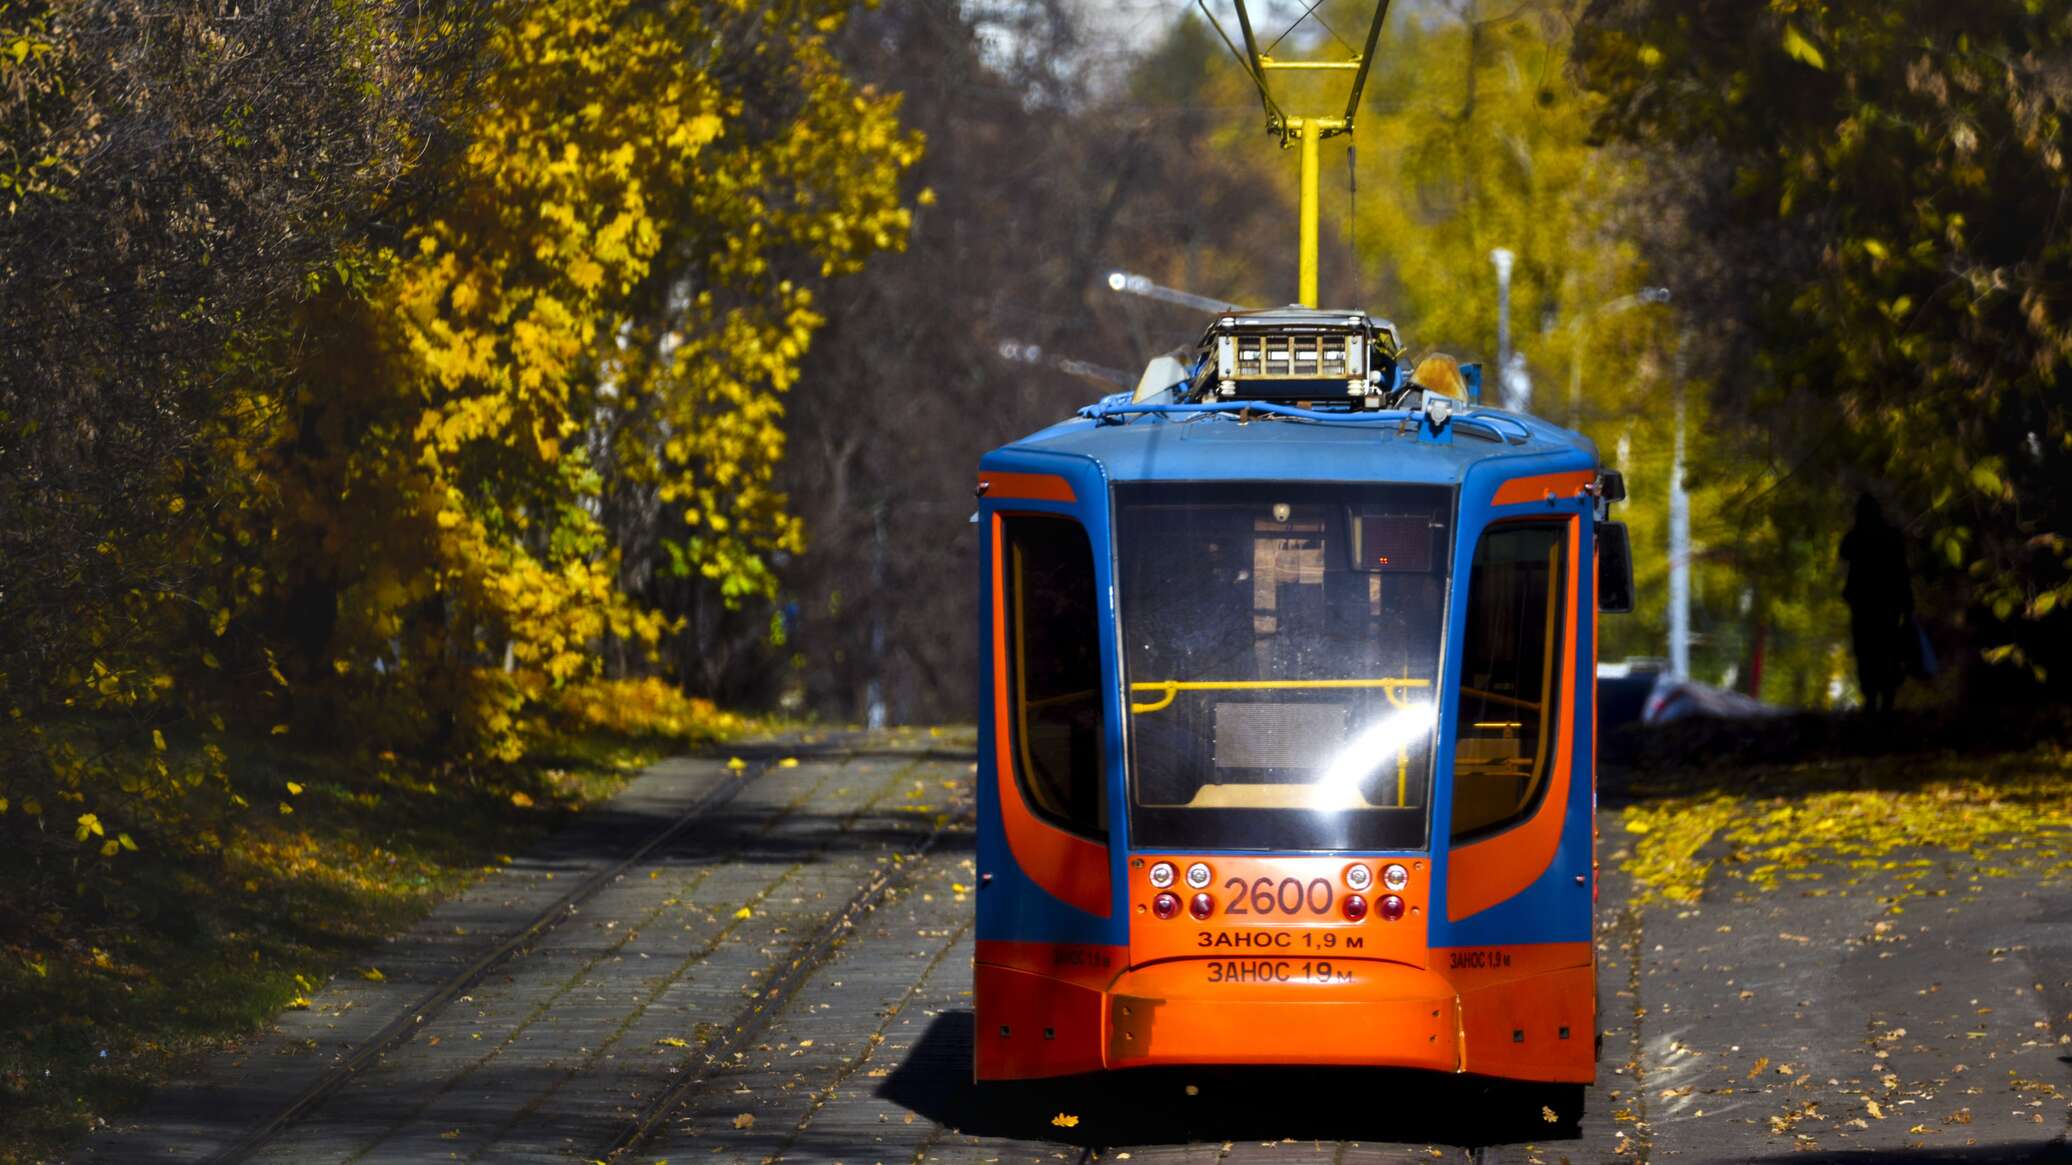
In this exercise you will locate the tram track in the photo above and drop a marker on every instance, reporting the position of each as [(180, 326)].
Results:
[(747, 1025), (849, 1070), (541, 1009), (400, 1030)]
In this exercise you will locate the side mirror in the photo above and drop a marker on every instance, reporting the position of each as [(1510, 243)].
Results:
[(1611, 485), (1614, 569)]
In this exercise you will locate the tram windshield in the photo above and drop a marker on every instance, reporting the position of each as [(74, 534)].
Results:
[(1281, 647)]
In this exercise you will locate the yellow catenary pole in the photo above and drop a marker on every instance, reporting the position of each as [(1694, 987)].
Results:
[(1310, 131), (1312, 135)]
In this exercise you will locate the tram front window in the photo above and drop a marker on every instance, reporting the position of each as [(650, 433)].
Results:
[(1281, 645)]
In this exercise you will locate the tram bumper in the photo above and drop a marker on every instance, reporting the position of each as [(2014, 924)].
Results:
[(1197, 1011), (1366, 1013)]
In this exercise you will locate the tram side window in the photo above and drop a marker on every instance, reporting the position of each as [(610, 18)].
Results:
[(1510, 676), (1053, 671)]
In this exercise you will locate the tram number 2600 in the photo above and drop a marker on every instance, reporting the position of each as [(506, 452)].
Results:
[(1288, 896)]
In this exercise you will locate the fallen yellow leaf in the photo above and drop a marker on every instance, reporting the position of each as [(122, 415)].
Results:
[(736, 764), (744, 1120), (294, 790), (521, 800), (373, 975), (1877, 1112), (1761, 1063), (1065, 1120), (1548, 1114), (744, 912), (790, 762), (671, 1042)]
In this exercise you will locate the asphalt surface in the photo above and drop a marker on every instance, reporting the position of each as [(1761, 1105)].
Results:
[(773, 964)]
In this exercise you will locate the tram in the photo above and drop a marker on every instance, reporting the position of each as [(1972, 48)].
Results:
[(1285, 744)]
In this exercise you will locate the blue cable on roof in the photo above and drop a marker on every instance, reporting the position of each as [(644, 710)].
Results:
[(1107, 413)]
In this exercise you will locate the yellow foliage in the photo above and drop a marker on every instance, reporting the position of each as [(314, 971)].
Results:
[(645, 706), (594, 307), (1855, 819), (404, 536)]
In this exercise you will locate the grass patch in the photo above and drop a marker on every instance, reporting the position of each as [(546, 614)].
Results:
[(118, 972)]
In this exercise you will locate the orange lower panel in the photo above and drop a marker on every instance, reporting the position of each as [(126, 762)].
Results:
[(1537, 1027), (1032, 1025), (1281, 1011)]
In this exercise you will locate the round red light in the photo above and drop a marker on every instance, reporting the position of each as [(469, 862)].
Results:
[(1166, 905), (1391, 907), (1355, 907), (1201, 906)]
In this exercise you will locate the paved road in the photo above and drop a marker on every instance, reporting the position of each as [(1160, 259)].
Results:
[(786, 976)]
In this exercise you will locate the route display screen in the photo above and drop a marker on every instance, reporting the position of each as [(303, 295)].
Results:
[(1281, 649)]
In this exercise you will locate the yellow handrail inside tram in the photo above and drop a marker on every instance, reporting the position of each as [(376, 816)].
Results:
[(1391, 687)]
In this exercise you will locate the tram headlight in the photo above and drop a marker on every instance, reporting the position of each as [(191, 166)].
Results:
[(1359, 877), (1198, 875), (1201, 906), (1162, 874), (1355, 907), (1391, 907), (1395, 877), (1166, 905)]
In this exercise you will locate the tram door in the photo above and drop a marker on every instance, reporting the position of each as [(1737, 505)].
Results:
[(1513, 732), (1512, 932), (1054, 683)]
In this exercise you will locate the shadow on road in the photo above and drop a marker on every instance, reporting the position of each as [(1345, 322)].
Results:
[(1817, 751), (2055, 1151), (1155, 1106)]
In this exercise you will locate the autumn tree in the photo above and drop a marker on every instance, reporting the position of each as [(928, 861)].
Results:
[(1870, 209), (564, 387), (173, 177), (375, 363)]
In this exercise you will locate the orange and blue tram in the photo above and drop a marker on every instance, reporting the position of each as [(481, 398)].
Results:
[(1286, 748)]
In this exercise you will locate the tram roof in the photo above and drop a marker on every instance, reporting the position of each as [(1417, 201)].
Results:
[(1217, 446)]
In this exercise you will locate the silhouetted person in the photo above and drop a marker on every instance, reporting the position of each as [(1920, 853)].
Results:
[(1880, 594)]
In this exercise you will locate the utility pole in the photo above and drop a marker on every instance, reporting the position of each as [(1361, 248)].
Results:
[(1503, 259), (874, 717), (1514, 383), (1679, 538)]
